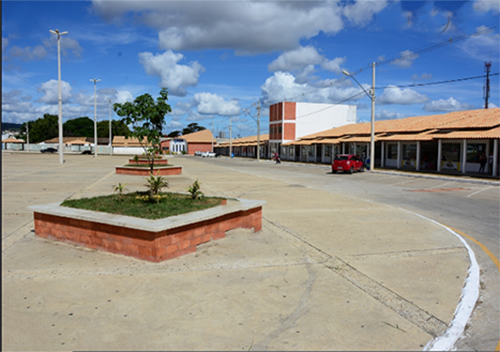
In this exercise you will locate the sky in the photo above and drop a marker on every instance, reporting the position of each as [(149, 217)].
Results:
[(220, 60)]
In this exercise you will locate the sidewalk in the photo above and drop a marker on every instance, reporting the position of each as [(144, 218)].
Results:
[(317, 277)]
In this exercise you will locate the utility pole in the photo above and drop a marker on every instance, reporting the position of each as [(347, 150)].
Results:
[(258, 131), (230, 139), (212, 136), (486, 93), (28, 135), (110, 134)]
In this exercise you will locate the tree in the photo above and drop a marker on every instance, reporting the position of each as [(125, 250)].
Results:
[(118, 128), (79, 127), (192, 127), (174, 134), (42, 129), (147, 118)]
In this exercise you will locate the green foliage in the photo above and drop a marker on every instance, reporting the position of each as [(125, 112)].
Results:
[(118, 128), (174, 134), (192, 127), (194, 190), (79, 127), (136, 159), (42, 129), (155, 184), (147, 118), (120, 188)]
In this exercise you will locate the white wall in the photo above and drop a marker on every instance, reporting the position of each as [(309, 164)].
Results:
[(312, 118)]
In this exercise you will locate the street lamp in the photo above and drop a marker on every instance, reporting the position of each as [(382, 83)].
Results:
[(95, 116), (58, 34), (372, 97), (110, 143)]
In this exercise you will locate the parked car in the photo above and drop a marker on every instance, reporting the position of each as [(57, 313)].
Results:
[(48, 150), (208, 155), (197, 153), (87, 152), (347, 163)]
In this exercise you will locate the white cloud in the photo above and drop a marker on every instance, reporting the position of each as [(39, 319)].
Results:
[(362, 12), (406, 59), (248, 27), (405, 96), (389, 115), (212, 104), (124, 96), (51, 92), (5, 43), (28, 53), (174, 125), (333, 65), (447, 105), (283, 86), (172, 76), (482, 47), (296, 59), (424, 76), (487, 5), (68, 45)]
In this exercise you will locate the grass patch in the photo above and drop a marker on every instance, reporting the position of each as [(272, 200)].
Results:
[(170, 204), (147, 165)]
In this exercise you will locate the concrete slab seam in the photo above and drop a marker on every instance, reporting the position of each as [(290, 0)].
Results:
[(468, 299), (409, 311)]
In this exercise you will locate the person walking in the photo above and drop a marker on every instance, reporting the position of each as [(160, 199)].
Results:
[(482, 162), (277, 158)]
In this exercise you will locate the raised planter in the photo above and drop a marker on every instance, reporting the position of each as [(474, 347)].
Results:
[(145, 161), (144, 171), (152, 240)]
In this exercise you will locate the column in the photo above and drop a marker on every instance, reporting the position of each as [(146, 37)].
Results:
[(417, 160), (438, 166), (382, 157), (464, 155), (495, 157)]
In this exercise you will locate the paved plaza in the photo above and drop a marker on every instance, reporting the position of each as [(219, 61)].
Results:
[(317, 277)]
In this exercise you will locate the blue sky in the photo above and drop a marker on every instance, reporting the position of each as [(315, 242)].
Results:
[(219, 58)]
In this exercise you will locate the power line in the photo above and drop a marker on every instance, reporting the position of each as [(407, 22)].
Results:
[(433, 83)]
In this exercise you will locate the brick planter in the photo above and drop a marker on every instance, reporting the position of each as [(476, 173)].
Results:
[(145, 161), (144, 171), (152, 240)]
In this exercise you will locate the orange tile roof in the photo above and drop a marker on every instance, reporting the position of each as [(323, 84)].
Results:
[(251, 140), (13, 140), (203, 136), (121, 141), (493, 133)]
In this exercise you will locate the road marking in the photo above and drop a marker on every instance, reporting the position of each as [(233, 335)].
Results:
[(436, 190), (487, 251), (484, 189)]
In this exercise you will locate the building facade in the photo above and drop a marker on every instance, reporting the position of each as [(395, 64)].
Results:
[(289, 121)]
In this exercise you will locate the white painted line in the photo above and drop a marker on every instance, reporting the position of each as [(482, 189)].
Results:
[(484, 189), (468, 299)]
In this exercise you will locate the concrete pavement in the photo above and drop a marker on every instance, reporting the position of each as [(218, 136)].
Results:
[(325, 273)]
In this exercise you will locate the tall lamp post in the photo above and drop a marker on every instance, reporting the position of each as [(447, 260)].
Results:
[(371, 95), (59, 34), (95, 116), (110, 143)]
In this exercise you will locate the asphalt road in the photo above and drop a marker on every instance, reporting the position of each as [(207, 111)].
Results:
[(471, 208)]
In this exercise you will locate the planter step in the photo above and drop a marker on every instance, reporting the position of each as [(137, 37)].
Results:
[(144, 171)]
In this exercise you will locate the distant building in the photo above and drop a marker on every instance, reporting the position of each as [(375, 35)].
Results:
[(289, 121), (197, 141)]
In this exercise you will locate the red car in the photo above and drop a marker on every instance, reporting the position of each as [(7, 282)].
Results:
[(347, 163)]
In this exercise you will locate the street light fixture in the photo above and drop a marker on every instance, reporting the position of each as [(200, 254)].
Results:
[(95, 116), (59, 34), (371, 95)]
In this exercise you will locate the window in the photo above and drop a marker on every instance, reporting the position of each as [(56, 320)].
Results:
[(474, 151)]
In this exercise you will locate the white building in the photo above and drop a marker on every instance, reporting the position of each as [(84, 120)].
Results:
[(289, 121)]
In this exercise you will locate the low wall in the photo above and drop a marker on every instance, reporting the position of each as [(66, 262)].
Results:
[(152, 240), (144, 171), (145, 161)]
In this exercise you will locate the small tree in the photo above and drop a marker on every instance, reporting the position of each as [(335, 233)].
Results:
[(147, 118)]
